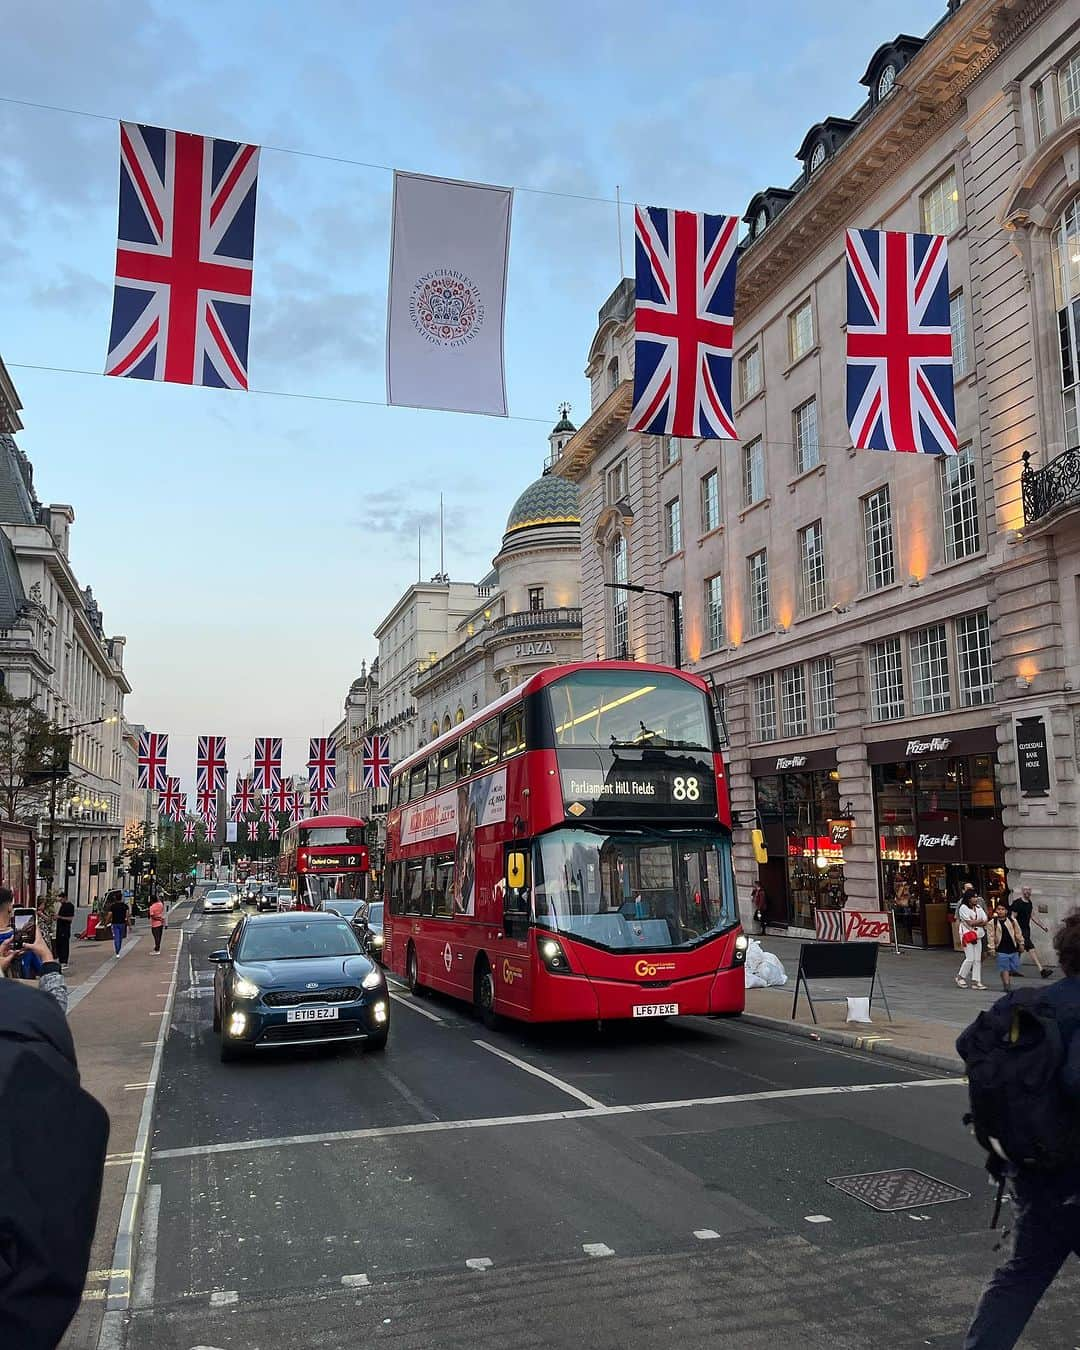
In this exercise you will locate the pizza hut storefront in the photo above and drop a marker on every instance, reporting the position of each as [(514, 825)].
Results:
[(938, 816), (798, 802)]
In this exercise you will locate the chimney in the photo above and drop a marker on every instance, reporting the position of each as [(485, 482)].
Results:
[(60, 518)]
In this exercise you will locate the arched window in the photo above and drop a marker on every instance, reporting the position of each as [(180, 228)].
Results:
[(1067, 297), (434, 728), (613, 374), (620, 609), (446, 723), (459, 716)]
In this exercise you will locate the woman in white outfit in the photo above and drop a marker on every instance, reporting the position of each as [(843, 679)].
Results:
[(971, 918)]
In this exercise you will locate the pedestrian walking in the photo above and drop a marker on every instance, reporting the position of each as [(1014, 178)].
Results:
[(1023, 911), (65, 914), (157, 924), (119, 918), (971, 920), (1005, 941), (1032, 1133)]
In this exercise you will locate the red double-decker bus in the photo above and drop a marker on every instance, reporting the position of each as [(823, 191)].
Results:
[(323, 859), (565, 853)]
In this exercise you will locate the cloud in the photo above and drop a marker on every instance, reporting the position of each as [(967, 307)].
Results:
[(304, 323), (393, 514), (70, 289)]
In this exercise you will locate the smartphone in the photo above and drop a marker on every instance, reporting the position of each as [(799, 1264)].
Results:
[(24, 922)]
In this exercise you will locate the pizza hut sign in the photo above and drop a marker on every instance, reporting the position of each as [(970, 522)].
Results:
[(935, 745), (942, 845), (790, 762)]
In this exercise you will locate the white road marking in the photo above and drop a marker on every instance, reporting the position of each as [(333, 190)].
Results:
[(407, 1001), (135, 1087), (563, 1086), (544, 1117), (221, 1298), (817, 1218), (355, 1281), (479, 1262), (705, 1234), (597, 1249), (142, 1294)]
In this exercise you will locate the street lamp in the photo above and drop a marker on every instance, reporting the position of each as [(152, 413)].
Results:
[(675, 597)]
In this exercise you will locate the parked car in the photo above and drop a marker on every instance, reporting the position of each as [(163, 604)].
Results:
[(377, 940), (297, 979)]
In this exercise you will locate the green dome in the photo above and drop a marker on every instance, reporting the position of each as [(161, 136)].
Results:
[(551, 500)]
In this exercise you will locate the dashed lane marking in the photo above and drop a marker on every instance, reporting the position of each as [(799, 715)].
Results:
[(705, 1234), (598, 1112), (560, 1083), (479, 1262), (221, 1298), (597, 1249), (407, 1001), (355, 1281)]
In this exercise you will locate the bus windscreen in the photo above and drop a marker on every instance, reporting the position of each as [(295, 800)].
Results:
[(619, 709)]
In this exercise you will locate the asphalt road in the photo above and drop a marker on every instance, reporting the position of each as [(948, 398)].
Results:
[(664, 1184)]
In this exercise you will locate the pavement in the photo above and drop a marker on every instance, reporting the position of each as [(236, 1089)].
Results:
[(546, 1186)]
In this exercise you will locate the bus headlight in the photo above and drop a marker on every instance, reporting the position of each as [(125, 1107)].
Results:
[(741, 944), (553, 956)]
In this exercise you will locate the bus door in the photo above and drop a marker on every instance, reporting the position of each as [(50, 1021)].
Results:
[(513, 976)]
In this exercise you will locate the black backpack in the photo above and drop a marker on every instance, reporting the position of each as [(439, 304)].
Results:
[(1014, 1054)]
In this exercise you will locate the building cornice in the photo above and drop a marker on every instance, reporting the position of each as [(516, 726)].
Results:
[(597, 431)]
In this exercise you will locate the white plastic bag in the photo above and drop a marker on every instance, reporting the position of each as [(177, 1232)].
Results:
[(762, 967), (858, 1010)]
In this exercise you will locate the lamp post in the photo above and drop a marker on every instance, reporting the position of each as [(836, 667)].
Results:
[(675, 599)]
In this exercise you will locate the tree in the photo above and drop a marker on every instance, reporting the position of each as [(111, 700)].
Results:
[(35, 757)]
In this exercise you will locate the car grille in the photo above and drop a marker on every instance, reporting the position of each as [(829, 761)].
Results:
[(292, 998), (310, 1031)]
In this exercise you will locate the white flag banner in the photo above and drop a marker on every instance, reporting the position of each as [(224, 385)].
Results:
[(230, 831), (444, 324)]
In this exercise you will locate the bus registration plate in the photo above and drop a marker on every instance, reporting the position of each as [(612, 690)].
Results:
[(656, 1010), (311, 1015)]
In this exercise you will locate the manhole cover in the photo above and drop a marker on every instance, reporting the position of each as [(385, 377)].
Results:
[(902, 1188)]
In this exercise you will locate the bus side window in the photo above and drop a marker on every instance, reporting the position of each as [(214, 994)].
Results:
[(448, 766), (516, 890), (513, 731), (444, 876), (414, 885), (428, 905), (465, 757), (486, 750), (433, 773), (417, 782)]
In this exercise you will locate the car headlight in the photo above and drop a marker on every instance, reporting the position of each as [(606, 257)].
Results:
[(245, 988), (372, 980), (377, 939)]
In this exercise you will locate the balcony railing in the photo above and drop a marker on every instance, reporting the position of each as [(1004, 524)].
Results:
[(1055, 484), (565, 617)]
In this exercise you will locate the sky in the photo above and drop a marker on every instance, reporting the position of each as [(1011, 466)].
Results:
[(248, 544)]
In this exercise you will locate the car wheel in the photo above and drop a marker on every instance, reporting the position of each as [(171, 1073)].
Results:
[(412, 972), (484, 995), (378, 1041)]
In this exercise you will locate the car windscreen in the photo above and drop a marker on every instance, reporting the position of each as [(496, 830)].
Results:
[(218, 895), (297, 939), (347, 908), (375, 914)]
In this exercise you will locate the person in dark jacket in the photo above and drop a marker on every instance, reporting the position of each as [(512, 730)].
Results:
[(65, 915), (1046, 1208), (47, 1213)]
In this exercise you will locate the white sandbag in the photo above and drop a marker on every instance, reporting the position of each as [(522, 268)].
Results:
[(754, 981), (858, 1010), (772, 970)]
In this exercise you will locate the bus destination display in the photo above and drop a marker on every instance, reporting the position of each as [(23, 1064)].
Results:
[(671, 786)]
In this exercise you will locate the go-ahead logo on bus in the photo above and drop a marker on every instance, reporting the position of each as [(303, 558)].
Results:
[(445, 308), (646, 969), (511, 973)]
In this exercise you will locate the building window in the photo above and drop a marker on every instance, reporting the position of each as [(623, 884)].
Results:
[(536, 598), (960, 505), (886, 680), (1069, 87), (673, 526), (620, 610), (757, 579), (672, 449), (1067, 292), (801, 329), (749, 374), (929, 652), (813, 588), (720, 694), (807, 450), (710, 501), (877, 537), (714, 612), (793, 701), (973, 660), (958, 326), (678, 643), (618, 482), (753, 471), (941, 206), (763, 699), (823, 693), (613, 374), (1038, 99)]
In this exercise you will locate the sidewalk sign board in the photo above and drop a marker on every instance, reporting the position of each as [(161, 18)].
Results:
[(837, 961)]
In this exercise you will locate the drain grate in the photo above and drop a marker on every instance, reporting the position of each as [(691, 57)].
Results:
[(900, 1188)]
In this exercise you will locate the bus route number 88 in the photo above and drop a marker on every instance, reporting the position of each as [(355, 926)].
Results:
[(685, 789)]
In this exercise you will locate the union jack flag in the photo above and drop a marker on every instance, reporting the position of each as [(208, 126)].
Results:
[(189, 831), (322, 764), (244, 799), (206, 803), (211, 775), (253, 830), (282, 798), (899, 343), (184, 255), (267, 807), (210, 821), (320, 801), (153, 751), (267, 773), (171, 799), (296, 811), (274, 828), (376, 762), (684, 305)]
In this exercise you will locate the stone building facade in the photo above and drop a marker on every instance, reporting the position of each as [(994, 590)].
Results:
[(891, 635)]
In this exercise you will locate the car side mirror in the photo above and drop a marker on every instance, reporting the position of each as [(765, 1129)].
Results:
[(219, 958)]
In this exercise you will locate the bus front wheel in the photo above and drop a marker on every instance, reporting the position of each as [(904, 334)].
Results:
[(484, 995), (412, 972)]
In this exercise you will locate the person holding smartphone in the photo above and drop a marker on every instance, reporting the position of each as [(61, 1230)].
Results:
[(29, 964), (50, 977)]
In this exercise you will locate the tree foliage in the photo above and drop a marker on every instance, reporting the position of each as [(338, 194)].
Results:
[(34, 754)]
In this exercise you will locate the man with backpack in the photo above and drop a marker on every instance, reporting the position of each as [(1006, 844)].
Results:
[(1023, 1063)]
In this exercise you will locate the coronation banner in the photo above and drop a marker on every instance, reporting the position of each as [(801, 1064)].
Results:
[(450, 245)]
